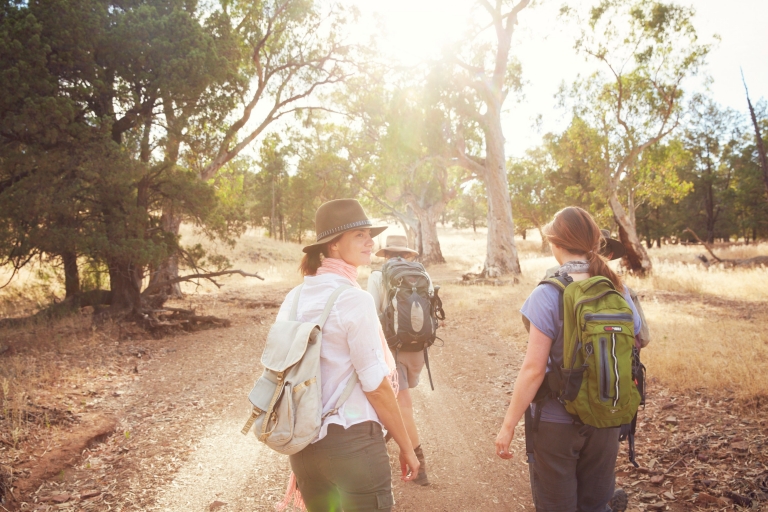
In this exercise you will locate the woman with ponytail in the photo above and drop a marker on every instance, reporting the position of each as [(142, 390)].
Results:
[(347, 466), (573, 464)]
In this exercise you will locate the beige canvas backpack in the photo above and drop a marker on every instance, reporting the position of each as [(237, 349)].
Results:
[(287, 398)]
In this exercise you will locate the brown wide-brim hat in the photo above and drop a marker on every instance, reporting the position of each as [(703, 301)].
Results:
[(335, 217), (396, 243), (611, 246)]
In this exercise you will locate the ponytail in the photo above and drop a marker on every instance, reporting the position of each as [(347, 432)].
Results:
[(310, 262), (575, 230), (598, 266)]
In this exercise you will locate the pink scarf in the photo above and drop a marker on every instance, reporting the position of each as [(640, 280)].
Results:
[(342, 268)]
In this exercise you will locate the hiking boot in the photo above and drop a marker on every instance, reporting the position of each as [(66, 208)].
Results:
[(619, 501), (421, 478)]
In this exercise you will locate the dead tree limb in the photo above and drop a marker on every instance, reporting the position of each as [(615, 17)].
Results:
[(706, 246), (758, 137), (747, 263), (209, 276)]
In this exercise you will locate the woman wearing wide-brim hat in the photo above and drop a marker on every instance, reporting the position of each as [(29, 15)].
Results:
[(347, 466)]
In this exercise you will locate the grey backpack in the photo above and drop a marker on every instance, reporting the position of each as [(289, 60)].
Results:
[(287, 398)]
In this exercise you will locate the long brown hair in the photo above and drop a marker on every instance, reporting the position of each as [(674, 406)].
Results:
[(574, 230)]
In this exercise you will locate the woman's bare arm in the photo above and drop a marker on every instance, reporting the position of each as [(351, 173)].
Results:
[(527, 383), (385, 404)]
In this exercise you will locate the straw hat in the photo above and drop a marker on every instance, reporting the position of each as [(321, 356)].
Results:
[(335, 217), (611, 246), (396, 243)]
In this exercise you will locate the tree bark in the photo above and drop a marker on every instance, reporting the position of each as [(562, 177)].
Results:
[(430, 245), (125, 286), (636, 258), (758, 137), (71, 274), (169, 268), (501, 251), (501, 257)]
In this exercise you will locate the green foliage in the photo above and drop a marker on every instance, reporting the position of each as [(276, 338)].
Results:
[(470, 208), (81, 174)]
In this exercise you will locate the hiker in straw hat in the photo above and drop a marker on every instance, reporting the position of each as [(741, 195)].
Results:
[(347, 466), (409, 364)]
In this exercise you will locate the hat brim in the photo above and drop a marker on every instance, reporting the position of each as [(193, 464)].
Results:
[(394, 248), (375, 231), (613, 247)]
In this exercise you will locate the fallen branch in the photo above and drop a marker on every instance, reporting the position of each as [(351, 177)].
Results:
[(154, 287), (706, 246), (749, 262)]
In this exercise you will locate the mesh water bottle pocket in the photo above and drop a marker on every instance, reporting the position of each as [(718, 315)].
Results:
[(572, 382)]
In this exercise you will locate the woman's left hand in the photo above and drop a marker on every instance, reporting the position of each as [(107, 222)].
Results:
[(503, 440)]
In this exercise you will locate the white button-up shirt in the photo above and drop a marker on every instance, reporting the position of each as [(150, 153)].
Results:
[(350, 343)]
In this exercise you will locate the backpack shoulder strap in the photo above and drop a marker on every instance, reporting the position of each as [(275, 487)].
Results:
[(353, 379), (344, 394), (560, 283), (295, 306), (328, 305)]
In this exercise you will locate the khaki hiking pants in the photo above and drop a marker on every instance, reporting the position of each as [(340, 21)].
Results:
[(346, 470)]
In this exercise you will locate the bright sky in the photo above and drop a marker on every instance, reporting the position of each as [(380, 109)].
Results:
[(416, 30)]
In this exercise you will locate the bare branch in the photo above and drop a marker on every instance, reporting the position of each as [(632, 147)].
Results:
[(706, 245), (209, 276)]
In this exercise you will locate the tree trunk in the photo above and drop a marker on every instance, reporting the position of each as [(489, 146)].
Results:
[(544, 243), (125, 286), (758, 139), (169, 269), (430, 245), (501, 257), (71, 274), (636, 258)]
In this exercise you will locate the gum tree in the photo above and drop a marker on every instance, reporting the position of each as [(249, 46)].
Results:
[(479, 75), (644, 51)]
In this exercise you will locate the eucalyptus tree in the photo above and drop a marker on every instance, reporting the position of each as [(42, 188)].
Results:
[(285, 53), (750, 203), (532, 186), (480, 73), (644, 51), (711, 135), (401, 157)]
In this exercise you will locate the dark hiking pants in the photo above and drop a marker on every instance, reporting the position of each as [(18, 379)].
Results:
[(573, 467), (346, 470)]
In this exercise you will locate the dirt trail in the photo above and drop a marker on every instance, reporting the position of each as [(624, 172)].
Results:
[(179, 446)]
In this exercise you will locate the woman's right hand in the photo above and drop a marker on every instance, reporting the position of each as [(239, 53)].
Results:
[(409, 465), (503, 440)]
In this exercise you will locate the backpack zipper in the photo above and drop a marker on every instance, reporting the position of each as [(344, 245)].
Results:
[(615, 368), (597, 317)]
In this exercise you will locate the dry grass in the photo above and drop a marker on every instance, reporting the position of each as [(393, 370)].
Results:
[(49, 374), (676, 269), (708, 324), (721, 347)]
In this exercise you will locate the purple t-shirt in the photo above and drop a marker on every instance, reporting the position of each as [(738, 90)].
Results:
[(541, 308)]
